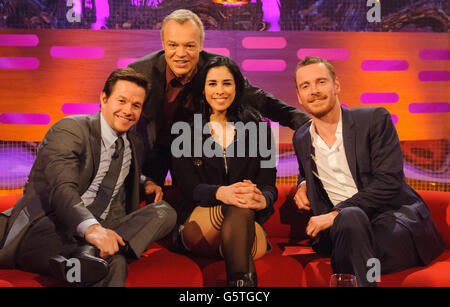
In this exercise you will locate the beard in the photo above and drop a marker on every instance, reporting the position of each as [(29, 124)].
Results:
[(322, 110)]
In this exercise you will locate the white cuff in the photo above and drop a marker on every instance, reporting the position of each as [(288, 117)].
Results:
[(298, 186), (81, 228)]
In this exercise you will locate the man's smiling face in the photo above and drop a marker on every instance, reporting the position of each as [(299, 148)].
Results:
[(123, 107), (182, 44), (316, 89)]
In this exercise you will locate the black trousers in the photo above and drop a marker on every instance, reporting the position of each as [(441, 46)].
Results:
[(46, 238), (356, 243)]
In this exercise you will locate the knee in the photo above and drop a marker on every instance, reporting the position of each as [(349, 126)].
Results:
[(351, 234), (166, 213), (353, 214), (351, 219), (239, 215)]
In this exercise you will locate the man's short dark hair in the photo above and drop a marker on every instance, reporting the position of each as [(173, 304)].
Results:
[(315, 60), (126, 74)]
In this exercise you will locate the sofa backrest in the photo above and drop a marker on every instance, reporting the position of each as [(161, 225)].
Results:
[(287, 221), (8, 201), (439, 204)]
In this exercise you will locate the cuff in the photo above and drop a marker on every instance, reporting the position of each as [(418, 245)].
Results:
[(205, 195), (81, 228), (298, 185)]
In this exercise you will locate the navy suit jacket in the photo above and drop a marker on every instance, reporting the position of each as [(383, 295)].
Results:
[(375, 160)]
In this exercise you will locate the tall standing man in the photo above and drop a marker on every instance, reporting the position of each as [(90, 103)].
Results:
[(174, 75), (352, 162), (81, 200)]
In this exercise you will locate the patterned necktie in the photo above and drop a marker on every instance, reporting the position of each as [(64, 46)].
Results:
[(108, 184)]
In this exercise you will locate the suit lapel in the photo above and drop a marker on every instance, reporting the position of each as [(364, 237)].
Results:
[(158, 85), (320, 203), (95, 138), (155, 102), (349, 138), (133, 176), (306, 147)]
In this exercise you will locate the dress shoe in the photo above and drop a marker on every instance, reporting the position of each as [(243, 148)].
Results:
[(83, 267), (243, 280)]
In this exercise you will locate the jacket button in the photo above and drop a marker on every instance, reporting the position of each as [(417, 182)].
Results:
[(198, 162)]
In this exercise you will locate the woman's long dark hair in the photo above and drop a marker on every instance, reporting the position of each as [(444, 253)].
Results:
[(239, 110)]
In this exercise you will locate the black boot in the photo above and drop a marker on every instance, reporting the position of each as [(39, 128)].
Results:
[(243, 280)]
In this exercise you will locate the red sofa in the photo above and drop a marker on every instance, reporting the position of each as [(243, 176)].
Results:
[(291, 262)]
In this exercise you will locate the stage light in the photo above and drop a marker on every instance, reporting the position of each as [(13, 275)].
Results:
[(231, 2)]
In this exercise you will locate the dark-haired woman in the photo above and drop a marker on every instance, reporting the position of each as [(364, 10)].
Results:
[(228, 187)]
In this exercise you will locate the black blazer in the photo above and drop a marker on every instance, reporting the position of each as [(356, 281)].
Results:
[(375, 160), (153, 66), (198, 178), (67, 161)]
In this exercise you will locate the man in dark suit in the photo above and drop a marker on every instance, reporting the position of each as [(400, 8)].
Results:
[(81, 201), (173, 72), (351, 178)]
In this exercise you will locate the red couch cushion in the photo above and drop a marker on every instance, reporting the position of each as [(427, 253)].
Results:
[(17, 278), (159, 267), (437, 274)]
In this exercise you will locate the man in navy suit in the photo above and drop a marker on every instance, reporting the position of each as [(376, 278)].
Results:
[(351, 179)]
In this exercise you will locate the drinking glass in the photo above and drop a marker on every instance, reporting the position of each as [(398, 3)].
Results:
[(343, 280)]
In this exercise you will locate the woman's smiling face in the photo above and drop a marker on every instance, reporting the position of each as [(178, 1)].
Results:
[(220, 89)]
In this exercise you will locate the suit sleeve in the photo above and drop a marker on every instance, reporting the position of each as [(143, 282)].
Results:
[(157, 160), (387, 166), (59, 155), (273, 108)]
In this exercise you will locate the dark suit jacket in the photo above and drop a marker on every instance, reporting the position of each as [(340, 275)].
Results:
[(198, 178), (66, 163), (153, 66), (375, 160)]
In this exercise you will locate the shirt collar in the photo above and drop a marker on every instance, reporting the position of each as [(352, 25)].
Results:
[(315, 136), (171, 76), (109, 136)]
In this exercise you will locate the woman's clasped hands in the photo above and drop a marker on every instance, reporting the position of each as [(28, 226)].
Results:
[(244, 194)]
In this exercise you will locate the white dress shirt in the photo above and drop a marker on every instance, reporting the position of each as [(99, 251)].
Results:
[(332, 166)]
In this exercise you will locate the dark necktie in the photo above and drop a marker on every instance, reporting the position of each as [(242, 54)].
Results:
[(108, 184)]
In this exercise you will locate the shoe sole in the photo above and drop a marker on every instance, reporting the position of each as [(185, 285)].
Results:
[(92, 270)]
